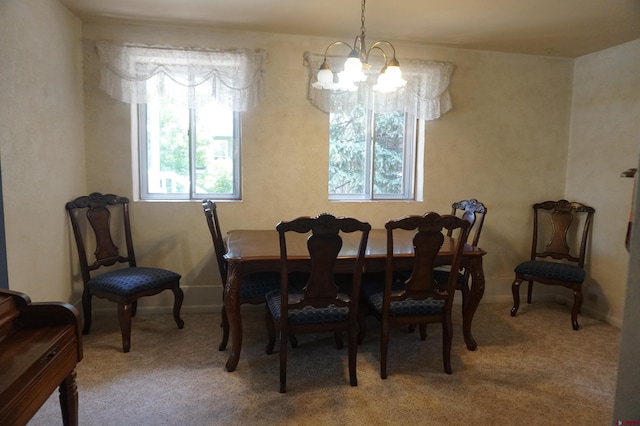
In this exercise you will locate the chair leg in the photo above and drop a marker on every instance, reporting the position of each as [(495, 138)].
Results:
[(353, 352), (271, 332), (337, 335), (124, 317), (447, 338), (283, 360), (177, 305), (577, 303), (293, 341), (423, 331), (134, 309), (529, 292), (384, 346), (225, 329), (362, 323), (86, 310), (466, 292), (515, 290)]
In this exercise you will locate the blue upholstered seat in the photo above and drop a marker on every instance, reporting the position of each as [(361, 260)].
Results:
[(308, 314), (127, 281), (552, 271), (258, 284), (442, 277), (372, 294)]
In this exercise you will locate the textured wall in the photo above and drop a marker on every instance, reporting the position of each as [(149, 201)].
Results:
[(509, 123), (605, 133), (41, 143)]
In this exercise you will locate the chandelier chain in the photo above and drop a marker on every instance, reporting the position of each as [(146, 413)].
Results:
[(362, 29)]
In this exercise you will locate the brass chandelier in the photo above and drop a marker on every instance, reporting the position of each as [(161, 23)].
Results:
[(390, 77)]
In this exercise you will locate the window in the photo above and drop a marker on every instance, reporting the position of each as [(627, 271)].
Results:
[(188, 153), (371, 155)]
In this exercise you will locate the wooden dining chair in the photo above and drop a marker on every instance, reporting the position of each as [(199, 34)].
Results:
[(555, 263), (254, 286), (319, 306), (123, 285), (418, 299), (474, 212)]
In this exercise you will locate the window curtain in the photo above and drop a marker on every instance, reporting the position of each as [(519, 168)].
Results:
[(232, 79), (426, 94)]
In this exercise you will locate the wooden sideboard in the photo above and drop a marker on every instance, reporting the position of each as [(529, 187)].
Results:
[(40, 345)]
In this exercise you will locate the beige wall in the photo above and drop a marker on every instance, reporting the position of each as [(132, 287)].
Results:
[(605, 133), (514, 138), (510, 120), (41, 143), (507, 136)]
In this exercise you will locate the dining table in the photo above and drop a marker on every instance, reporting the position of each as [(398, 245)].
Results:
[(259, 250)]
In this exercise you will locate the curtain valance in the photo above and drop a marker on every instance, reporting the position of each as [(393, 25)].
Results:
[(426, 94), (187, 77)]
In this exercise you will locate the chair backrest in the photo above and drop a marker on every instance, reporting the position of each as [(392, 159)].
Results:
[(561, 224), (427, 242), (473, 211), (98, 209), (211, 214), (324, 244)]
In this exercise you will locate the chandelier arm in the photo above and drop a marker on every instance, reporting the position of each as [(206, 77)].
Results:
[(335, 43), (384, 55), (379, 42)]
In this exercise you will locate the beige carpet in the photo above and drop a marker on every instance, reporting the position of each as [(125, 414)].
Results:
[(532, 369)]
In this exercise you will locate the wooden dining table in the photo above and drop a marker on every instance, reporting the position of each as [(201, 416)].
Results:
[(259, 250)]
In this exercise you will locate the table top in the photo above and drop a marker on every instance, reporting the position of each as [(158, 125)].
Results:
[(247, 245)]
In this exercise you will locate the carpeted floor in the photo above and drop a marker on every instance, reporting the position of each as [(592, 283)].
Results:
[(533, 369)]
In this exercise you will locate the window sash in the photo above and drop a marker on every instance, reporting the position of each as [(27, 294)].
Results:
[(408, 164), (192, 192)]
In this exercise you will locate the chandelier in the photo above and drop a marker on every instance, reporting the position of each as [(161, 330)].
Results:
[(389, 79)]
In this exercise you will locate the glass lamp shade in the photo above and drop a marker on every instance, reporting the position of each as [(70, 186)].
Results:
[(325, 79), (346, 82), (384, 84), (353, 67), (394, 76)]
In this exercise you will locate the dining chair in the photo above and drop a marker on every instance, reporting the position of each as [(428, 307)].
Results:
[(254, 286), (474, 212), (122, 285), (319, 306), (418, 299), (555, 263)]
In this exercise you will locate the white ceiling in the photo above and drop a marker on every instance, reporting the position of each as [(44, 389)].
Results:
[(568, 28)]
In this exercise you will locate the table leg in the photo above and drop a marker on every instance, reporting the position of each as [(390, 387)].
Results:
[(232, 305), (69, 400), (477, 291)]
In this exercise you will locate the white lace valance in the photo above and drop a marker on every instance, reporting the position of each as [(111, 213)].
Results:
[(426, 94), (188, 77)]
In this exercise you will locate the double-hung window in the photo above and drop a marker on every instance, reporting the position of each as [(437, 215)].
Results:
[(371, 155), (188, 153), (188, 104), (376, 139)]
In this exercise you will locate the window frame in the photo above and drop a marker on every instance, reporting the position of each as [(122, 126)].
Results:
[(192, 194), (411, 169)]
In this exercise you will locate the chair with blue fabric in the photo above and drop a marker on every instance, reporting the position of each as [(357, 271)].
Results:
[(254, 285), (123, 285), (418, 299), (319, 306), (555, 263), (474, 212)]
